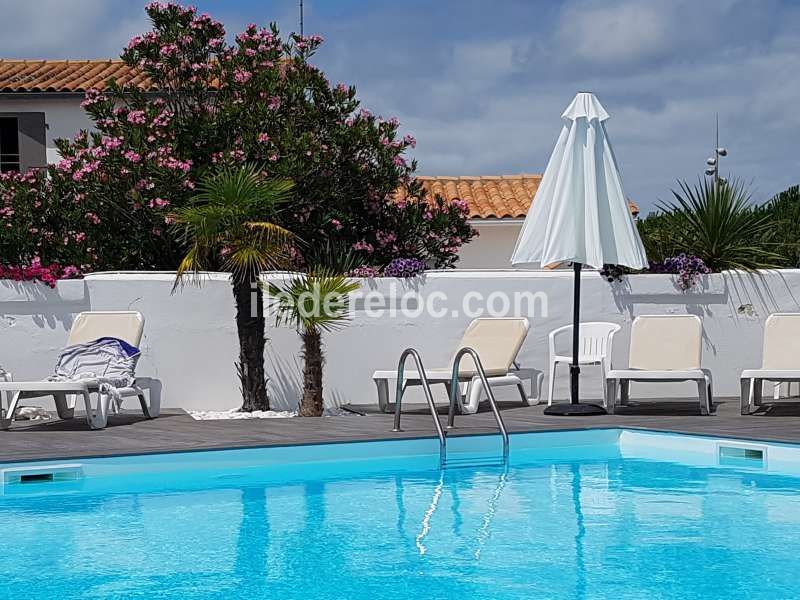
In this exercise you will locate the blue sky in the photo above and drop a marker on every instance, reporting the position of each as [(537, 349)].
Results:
[(482, 83)]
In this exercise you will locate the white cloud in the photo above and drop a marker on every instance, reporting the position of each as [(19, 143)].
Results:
[(602, 33), (482, 86), (73, 29)]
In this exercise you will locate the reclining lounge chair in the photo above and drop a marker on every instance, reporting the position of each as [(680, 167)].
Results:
[(664, 348), (87, 327), (780, 361), (497, 342)]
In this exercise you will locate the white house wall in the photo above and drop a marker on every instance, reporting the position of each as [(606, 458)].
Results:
[(64, 117), (190, 342), (492, 248)]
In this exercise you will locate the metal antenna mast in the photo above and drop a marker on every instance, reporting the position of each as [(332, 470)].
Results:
[(301, 18)]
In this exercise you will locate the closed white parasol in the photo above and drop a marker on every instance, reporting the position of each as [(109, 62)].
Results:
[(580, 215)]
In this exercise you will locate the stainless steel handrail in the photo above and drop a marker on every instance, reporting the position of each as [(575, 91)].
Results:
[(454, 391), (401, 365)]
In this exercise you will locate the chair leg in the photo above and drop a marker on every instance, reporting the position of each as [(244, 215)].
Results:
[(611, 395), (702, 392), (64, 408), (145, 406), (383, 395), (552, 383), (473, 396), (522, 395), (624, 391), (745, 395), (603, 382), (758, 391), (8, 418), (98, 418)]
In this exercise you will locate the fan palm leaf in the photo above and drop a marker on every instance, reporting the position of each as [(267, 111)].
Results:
[(227, 224)]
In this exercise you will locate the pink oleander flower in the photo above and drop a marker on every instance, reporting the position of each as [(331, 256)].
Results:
[(242, 75), (111, 143), (92, 218), (158, 203), (365, 272), (337, 224), (460, 204), (363, 245), (385, 238), (132, 156), (136, 117), (65, 165), (263, 138)]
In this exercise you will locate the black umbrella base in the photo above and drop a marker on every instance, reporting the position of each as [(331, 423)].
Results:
[(568, 409)]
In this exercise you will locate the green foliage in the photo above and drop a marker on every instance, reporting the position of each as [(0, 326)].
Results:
[(112, 192), (714, 222), (782, 212), (228, 224), (313, 302), (658, 237)]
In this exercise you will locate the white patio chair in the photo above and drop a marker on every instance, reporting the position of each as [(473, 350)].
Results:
[(595, 344), (780, 361), (497, 342), (665, 348), (87, 327)]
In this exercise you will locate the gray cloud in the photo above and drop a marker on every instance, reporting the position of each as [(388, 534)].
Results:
[(482, 84), (67, 29)]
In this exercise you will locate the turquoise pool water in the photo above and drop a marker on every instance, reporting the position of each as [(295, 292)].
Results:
[(573, 516)]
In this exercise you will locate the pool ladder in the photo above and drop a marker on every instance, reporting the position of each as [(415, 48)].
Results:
[(454, 391)]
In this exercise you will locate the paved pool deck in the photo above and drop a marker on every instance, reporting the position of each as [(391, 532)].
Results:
[(176, 431)]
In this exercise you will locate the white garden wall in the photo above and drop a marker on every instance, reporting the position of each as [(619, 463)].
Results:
[(190, 340)]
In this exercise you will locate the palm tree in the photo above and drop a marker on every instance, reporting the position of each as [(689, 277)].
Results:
[(314, 302), (228, 225), (716, 222)]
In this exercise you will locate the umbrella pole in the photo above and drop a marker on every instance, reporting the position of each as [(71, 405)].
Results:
[(574, 368), (575, 407)]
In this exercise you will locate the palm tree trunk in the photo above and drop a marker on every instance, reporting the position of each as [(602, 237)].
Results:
[(250, 325), (311, 404)]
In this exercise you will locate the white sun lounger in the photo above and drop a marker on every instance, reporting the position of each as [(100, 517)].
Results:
[(87, 326), (780, 361), (497, 342), (665, 348)]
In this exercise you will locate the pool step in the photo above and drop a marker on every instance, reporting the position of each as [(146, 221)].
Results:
[(467, 462)]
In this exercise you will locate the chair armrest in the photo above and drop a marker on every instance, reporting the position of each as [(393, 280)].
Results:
[(609, 350), (552, 337)]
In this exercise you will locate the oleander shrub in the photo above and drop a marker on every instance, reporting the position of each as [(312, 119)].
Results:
[(257, 101)]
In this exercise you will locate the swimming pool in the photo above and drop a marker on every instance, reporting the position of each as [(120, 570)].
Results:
[(594, 514)]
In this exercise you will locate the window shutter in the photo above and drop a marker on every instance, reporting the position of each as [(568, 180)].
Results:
[(32, 140)]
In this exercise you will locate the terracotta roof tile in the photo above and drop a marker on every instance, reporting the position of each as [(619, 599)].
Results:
[(491, 196), (67, 76), (488, 197)]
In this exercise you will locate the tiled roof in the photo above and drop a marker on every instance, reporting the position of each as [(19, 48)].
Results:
[(491, 196), (66, 76)]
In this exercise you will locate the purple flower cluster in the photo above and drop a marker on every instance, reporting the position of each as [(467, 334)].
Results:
[(404, 267), (688, 268)]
